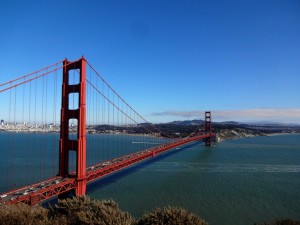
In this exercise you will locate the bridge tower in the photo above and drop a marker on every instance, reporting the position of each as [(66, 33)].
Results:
[(208, 141), (65, 143)]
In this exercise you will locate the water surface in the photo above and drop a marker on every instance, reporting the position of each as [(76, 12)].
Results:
[(233, 183)]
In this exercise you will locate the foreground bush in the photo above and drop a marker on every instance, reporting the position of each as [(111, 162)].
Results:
[(170, 216), (79, 210), (83, 210), (22, 214)]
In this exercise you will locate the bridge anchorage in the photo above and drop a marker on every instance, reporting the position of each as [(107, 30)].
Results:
[(97, 103)]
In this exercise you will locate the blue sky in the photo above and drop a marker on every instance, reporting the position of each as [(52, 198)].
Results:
[(170, 59)]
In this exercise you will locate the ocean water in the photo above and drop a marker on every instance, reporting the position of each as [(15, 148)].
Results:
[(27, 158), (235, 182)]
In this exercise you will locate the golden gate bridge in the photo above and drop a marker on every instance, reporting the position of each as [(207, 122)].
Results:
[(73, 133)]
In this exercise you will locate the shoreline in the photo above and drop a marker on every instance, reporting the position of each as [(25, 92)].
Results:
[(88, 132), (221, 135), (234, 134)]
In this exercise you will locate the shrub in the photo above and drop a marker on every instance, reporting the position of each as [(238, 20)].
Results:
[(83, 210), (170, 216), (22, 214)]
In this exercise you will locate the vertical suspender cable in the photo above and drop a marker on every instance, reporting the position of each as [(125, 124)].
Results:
[(94, 122), (113, 127), (14, 137), (8, 174), (103, 122), (24, 143), (107, 142), (29, 135), (98, 121), (35, 136), (54, 119), (118, 125), (46, 124), (41, 145)]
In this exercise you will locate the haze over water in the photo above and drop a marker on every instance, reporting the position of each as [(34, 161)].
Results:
[(235, 182)]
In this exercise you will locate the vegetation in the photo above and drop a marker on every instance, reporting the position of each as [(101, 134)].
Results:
[(83, 210), (170, 216), (23, 214), (70, 211)]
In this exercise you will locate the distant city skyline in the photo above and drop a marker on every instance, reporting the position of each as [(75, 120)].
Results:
[(170, 60)]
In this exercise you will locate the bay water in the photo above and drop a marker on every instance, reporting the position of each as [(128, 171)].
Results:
[(236, 182)]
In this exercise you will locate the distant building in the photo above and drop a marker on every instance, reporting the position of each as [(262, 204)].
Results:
[(2, 122)]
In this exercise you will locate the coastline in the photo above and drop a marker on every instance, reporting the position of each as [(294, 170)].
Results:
[(222, 134), (237, 133), (56, 130)]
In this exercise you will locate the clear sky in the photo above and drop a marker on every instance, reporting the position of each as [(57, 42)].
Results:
[(170, 59)]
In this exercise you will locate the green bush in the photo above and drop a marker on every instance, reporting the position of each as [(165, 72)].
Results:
[(170, 216)]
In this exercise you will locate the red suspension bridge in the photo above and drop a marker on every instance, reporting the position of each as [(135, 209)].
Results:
[(72, 133)]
